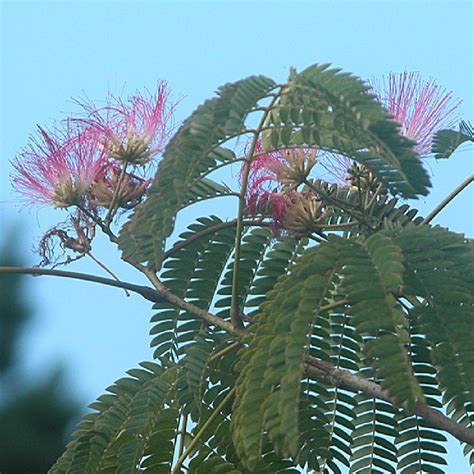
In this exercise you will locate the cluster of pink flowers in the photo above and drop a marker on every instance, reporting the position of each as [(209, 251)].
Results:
[(81, 165), (271, 185), (422, 108), (61, 167), (133, 131)]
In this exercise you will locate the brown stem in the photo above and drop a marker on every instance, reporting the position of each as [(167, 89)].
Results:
[(326, 372), (315, 368), (148, 293), (167, 295)]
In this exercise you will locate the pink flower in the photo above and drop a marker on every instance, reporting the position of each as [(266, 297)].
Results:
[(57, 169), (421, 107), (262, 176), (133, 131), (274, 204)]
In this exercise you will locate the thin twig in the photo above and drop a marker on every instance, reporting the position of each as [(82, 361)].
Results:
[(105, 229), (191, 308), (224, 351), (204, 427), (211, 230), (117, 191), (106, 269), (448, 199), (374, 196), (182, 432)]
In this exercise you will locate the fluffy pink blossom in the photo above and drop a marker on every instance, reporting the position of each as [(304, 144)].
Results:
[(132, 131), (56, 169), (262, 176), (421, 107), (271, 204), (270, 174)]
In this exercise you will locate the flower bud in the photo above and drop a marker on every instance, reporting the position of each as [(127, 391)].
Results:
[(362, 178), (296, 164), (303, 214), (130, 190), (133, 150)]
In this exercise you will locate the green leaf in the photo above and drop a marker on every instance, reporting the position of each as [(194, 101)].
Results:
[(268, 386), (192, 379), (440, 270), (373, 269), (115, 436), (446, 142), (372, 438)]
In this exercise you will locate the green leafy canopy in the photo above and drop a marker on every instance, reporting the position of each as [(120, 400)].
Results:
[(350, 337)]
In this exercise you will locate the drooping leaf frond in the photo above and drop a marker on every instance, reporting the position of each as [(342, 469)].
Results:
[(420, 445), (114, 437), (446, 142), (372, 444), (439, 271), (373, 273), (268, 388)]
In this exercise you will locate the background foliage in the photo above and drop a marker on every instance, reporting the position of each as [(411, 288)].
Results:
[(36, 418)]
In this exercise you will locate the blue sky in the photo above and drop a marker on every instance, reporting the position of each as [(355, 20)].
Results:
[(54, 51)]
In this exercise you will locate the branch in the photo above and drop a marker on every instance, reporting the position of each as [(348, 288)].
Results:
[(148, 293), (167, 295), (315, 368), (344, 379), (448, 199), (156, 295)]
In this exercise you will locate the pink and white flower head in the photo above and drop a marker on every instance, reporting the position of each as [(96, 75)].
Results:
[(262, 177), (270, 204), (57, 169), (275, 170), (421, 107), (131, 131)]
